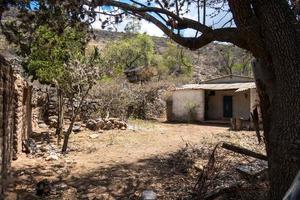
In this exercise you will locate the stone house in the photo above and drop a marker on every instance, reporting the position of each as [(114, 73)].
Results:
[(216, 100), (15, 113)]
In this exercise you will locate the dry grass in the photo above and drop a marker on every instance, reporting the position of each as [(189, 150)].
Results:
[(121, 164)]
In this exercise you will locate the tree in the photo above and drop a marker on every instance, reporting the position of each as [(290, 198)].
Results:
[(176, 60), (133, 26), (233, 60), (60, 59), (269, 29), (82, 73), (131, 54), (50, 52)]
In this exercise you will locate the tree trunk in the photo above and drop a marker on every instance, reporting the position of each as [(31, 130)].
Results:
[(281, 114), (60, 116), (74, 114), (67, 135)]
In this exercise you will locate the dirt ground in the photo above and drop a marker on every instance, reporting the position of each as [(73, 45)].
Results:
[(120, 164)]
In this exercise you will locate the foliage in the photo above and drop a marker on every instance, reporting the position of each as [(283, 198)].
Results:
[(234, 61), (129, 53), (176, 60), (51, 51), (21, 28), (137, 55), (133, 26)]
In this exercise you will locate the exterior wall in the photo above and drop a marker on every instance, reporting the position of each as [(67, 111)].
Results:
[(230, 79), (254, 101), (240, 104), (184, 101), (22, 100)]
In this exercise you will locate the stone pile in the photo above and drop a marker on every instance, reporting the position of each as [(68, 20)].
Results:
[(106, 124)]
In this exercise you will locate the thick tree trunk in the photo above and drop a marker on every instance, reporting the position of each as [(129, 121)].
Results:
[(269, 27), (283, 114)]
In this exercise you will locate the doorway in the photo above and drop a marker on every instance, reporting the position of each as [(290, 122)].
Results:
[(227, 106)]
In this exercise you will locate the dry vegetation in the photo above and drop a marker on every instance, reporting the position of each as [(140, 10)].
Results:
[(167, 158)]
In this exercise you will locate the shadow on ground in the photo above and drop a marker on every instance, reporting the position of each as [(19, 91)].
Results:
[(168, 176)]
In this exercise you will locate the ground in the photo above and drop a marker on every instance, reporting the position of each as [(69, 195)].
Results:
[(120, 164)]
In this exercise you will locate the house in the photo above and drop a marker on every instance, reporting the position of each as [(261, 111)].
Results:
[(218, 99)]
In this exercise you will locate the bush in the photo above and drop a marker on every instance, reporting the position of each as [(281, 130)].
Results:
[(124, 100)]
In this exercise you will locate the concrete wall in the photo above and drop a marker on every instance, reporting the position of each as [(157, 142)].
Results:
[(240, 104), (188, 105)]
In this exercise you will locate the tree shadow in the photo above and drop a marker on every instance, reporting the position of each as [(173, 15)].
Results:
[(170, 176)]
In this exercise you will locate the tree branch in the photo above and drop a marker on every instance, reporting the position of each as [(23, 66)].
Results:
[(208, 34)]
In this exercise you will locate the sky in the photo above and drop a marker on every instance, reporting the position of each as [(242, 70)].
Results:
[(151, 29)]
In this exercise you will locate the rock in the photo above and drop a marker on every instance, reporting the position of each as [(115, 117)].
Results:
[(76, 128), (148, 195), (94, 136), (91, 124), (108, 126), (52, 157), (100, 124), (53, 121), (123, 128), (198, 166), (53, 117), (43, 125)]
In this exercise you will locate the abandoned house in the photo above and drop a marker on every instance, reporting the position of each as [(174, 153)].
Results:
[(217, 100), (15, 113)]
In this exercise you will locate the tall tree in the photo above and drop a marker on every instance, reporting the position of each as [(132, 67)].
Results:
[(269, 30)]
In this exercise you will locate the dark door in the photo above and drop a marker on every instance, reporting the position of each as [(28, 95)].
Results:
[(227, 106)]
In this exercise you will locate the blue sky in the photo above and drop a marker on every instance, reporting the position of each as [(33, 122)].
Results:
[(151, 29)]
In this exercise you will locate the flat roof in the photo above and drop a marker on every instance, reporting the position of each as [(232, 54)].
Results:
[(219, 86)]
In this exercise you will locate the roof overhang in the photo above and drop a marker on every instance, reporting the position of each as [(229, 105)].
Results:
[(219, 86)]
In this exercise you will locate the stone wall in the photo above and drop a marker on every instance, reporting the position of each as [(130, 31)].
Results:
[(15, 114), (22, 114)]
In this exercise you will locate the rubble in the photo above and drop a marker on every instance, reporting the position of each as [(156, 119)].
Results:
[(106, 124), (94, 136)]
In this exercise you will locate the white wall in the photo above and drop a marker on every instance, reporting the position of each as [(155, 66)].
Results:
[(183, 100), (240, 104)]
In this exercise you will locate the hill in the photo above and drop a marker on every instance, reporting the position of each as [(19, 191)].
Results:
[(206, 61)]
